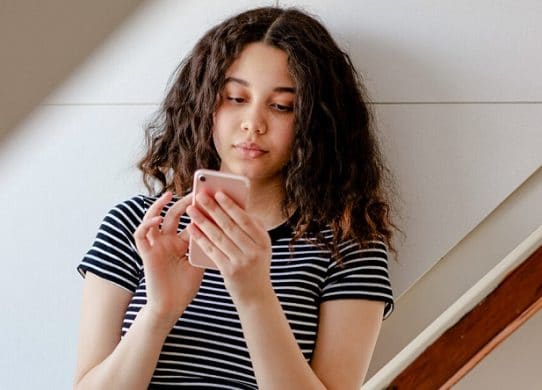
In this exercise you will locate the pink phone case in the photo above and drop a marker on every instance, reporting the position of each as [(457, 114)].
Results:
[(210, 182)]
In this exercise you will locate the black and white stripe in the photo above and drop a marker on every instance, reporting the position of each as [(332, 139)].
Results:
[(206, 348)]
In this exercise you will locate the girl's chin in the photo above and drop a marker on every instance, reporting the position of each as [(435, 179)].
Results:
[(239, 169), (252, 173)]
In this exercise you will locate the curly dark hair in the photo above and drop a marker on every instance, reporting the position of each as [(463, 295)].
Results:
[(335, 176)]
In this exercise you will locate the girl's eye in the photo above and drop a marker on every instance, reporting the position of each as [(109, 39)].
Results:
[(235, 99), (281, 108)]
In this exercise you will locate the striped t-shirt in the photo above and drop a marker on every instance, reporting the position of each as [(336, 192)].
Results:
[(206, 348)]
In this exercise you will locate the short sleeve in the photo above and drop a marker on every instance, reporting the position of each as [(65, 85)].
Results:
[(361, 273), (113, 255)]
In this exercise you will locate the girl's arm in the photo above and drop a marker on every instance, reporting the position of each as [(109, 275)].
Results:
[(105, 361), (277, 359), (347, 335)]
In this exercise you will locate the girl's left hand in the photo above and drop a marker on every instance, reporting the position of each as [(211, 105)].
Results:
[(237, 243)]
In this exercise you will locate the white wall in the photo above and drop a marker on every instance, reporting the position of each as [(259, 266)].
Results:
[(513, 364), (458, 95)]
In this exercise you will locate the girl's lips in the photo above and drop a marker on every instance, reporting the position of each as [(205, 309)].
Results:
[(249, 150)]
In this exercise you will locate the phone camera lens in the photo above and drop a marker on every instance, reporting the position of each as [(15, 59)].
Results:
[(202, 178)]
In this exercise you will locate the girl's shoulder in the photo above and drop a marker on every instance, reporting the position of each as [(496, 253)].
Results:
[(324, 234), (140, 203), (128, 214)]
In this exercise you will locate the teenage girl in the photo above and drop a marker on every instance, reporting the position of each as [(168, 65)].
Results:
[(302, 283)]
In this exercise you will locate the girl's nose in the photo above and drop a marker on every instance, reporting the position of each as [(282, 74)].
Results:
[(254, 122)]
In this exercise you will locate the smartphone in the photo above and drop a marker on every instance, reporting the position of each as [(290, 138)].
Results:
[(210, 182)]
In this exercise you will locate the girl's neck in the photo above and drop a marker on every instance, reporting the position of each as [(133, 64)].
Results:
[(265, 203)]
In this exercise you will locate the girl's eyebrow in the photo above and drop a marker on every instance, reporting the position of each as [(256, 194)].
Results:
[(247, 84)]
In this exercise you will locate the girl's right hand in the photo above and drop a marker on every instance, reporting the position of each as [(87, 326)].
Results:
[(171, 281)]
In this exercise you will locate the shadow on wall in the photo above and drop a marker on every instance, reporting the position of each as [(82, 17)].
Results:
[(59, 36)]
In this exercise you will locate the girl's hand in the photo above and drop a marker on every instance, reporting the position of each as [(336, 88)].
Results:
[(239, 245), (171, 282)]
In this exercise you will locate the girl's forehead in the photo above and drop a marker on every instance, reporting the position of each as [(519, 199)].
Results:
[(261, 63)]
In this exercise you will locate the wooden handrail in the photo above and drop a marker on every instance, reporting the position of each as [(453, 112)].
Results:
[(474, 325), (462, 346)]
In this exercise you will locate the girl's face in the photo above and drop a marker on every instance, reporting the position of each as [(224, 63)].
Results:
[(254, 122)]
